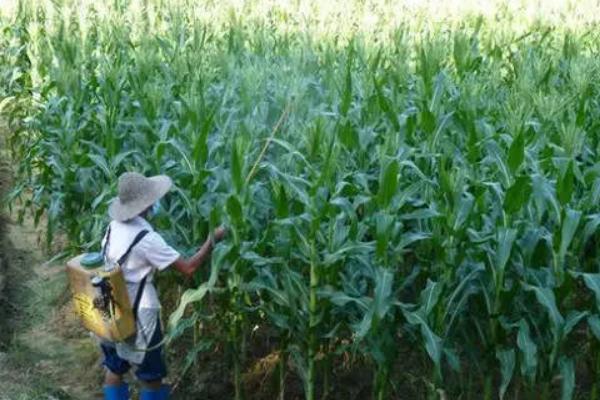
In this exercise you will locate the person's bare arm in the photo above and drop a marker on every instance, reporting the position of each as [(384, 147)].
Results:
[(190, 265)]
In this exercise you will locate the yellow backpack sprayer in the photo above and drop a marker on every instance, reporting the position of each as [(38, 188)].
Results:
[(100, 294)]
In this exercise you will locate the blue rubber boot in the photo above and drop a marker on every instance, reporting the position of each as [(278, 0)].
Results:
[(116, 392), (157, 394)]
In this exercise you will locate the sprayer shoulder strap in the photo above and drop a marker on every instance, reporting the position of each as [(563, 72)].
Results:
[(140, 291), (138, 297), (106, 239), (137, 239)]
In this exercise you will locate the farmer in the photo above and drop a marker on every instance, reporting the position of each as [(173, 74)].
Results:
[(129, 213)]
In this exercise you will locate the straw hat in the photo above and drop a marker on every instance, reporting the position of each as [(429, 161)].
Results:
[(136, 194)]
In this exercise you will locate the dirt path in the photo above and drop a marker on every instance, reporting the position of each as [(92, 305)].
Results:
[(44, 354)]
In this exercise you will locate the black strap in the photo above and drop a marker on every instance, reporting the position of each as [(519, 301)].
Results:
[(140, 291), (106, 242), (138, 298), (137, 239)]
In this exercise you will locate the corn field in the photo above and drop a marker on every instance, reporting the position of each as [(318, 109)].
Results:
[(433, 185)]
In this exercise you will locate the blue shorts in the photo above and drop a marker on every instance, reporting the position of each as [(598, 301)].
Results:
[(152, 368)]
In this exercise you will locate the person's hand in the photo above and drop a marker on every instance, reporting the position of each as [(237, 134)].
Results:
[(220, 233)]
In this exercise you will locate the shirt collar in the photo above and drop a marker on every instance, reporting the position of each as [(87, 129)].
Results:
[(141, 221)]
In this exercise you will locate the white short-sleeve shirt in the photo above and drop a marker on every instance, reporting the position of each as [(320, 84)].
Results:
[(151, 254)]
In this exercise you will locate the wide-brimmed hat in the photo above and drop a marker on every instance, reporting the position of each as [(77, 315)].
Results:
[(136, 194)]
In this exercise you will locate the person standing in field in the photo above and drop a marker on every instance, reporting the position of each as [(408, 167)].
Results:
[(131, 237)]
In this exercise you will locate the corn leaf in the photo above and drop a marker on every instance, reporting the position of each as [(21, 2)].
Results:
[(388, 183), (507, 361), (517, 194)]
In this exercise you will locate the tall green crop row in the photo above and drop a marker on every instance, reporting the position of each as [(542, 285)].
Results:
[(434, 186)]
